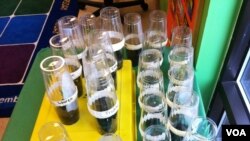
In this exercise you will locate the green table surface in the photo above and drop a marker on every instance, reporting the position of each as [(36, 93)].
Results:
[(25, 113)]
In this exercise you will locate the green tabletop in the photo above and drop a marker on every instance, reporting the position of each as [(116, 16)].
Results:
[(24, 115)]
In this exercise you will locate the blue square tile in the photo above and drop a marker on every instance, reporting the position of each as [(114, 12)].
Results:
[(23, 29), (3, 22)]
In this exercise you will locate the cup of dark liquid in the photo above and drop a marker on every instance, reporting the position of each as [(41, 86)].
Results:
[(60, 89), (102, 101)]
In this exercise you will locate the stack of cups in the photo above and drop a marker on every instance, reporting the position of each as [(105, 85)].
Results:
[(181, 72), (150, 81), (182, 100), (102, 101), (184, 110), (153, 113), (149, 71), (153, 120)]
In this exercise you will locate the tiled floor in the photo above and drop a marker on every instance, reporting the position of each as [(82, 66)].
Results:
[(153, 4)]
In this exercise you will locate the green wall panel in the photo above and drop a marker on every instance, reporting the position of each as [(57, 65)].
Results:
[(217, 25)]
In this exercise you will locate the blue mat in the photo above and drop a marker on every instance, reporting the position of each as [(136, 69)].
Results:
[(24, 30)]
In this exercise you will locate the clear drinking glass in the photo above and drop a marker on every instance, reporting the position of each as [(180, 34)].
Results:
[(101, 39), (53, 131), (184, 110), (153, 112), (180, 55), (133, 36), (111, 23), (147, 64), (202, 129), (153, 54), (60, 89), (157, 133), (145, 92), (75, 67), (149, 67), (181, 76), (150, 58), (88, 24), (172, 91), (102, 103), (181, 36), (156, 35), (70, 27), (56, 45), (110, 137), (151, 78)]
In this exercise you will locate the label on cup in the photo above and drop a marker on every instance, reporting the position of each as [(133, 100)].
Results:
[(105, 114), (108, 92), (76, 73), (112, 68), (119, 36), (133, 47), (176, 131), (69, 92), (69, 102), (130, 46)]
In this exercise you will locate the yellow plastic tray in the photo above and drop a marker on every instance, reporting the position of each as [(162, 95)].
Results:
[(85, 129)]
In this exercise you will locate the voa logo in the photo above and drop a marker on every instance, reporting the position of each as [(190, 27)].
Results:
[(236, 132)]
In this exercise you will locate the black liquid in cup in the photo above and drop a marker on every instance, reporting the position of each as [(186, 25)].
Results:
[(106, 125), (133, 55), (67, 117), (119, 58)]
